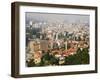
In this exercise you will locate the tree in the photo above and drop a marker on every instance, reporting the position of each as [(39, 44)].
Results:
[(81, 57), (85, 56), (30, 63)]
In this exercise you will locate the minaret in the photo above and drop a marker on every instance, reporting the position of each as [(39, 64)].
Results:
[(56, 36), (65, 45)]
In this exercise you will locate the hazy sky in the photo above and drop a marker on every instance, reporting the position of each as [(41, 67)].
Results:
[(51, 17)]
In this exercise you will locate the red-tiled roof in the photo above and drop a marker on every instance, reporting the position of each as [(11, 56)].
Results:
[(69, 51)]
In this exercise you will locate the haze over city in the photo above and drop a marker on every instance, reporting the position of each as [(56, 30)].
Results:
[(61, 18)]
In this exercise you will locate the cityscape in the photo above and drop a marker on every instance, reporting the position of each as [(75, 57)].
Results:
[(56, 39)]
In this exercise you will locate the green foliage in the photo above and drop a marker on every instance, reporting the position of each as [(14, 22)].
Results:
[(49, 59), (30, 63), (81, 57), (85, 56)]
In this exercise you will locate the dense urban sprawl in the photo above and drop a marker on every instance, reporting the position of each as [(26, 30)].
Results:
[(57, 44)]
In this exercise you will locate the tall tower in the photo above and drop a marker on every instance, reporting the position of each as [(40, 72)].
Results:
[(30, 32), (65, 43)]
